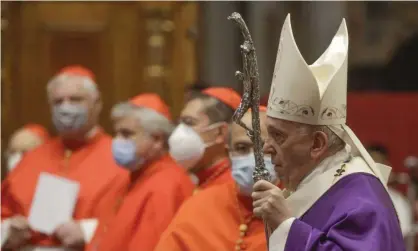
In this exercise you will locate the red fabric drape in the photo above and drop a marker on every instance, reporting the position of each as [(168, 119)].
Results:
[(390, 119)]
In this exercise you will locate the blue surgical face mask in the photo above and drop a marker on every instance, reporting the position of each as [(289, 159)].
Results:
[(243, 168), (69, 117), (124, 154)]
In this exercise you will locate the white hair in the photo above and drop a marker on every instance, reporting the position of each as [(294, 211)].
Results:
[(335, 143), (88, 84), (152, 121)]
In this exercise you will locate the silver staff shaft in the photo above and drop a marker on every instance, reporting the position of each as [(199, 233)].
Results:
[(251, 100)]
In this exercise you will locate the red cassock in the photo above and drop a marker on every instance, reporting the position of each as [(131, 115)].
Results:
[(219, 173), (217, 218), (141, 207), (90, 164)]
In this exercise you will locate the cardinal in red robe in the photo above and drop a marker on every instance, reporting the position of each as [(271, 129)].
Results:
[(80, 152), (221, 217), (142, 205)]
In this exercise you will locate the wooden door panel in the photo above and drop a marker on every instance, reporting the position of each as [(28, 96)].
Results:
[(60, 40), (75, 48), (128, 41), (115, 39), (86, 48)]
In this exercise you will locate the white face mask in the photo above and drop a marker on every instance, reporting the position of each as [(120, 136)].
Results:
[(13, 160), (243, 168), (186, 146)]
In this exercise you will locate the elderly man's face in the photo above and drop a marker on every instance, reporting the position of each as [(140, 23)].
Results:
[(290, 149), (129, 128), (70, 91), (73, 106)]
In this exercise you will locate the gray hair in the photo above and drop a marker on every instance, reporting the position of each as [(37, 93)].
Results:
[(88, 84), (335, 143), (150, 120)]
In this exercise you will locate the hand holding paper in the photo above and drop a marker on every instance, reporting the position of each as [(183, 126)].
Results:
[(70, 234), (15, 232), (53, 203)]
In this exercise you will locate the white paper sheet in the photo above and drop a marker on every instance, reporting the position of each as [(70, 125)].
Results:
[(53, 203), (5, 225), (89, 228)]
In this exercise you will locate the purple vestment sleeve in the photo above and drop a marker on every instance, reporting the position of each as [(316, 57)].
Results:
[(350, 221), (304, 237), (349, 234)]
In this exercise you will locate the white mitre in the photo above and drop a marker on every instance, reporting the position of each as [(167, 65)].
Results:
[(316, 94)]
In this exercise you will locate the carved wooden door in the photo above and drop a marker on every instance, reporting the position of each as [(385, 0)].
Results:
[(132, 47)]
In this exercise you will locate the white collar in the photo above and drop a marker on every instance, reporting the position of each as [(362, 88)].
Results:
[(305, 197), (92, 132), (327, 164)]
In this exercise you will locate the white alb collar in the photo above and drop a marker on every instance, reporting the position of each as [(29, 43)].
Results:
[(326, 164)]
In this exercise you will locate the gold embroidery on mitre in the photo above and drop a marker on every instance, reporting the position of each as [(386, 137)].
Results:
[(289, 107), (334, 112)]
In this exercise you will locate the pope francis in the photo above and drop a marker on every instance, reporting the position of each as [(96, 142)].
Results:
[(335, 195)]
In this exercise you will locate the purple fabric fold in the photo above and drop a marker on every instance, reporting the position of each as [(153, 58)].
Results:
[(356, 214)]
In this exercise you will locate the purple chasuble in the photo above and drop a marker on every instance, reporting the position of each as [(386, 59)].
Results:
[(356, 214)]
